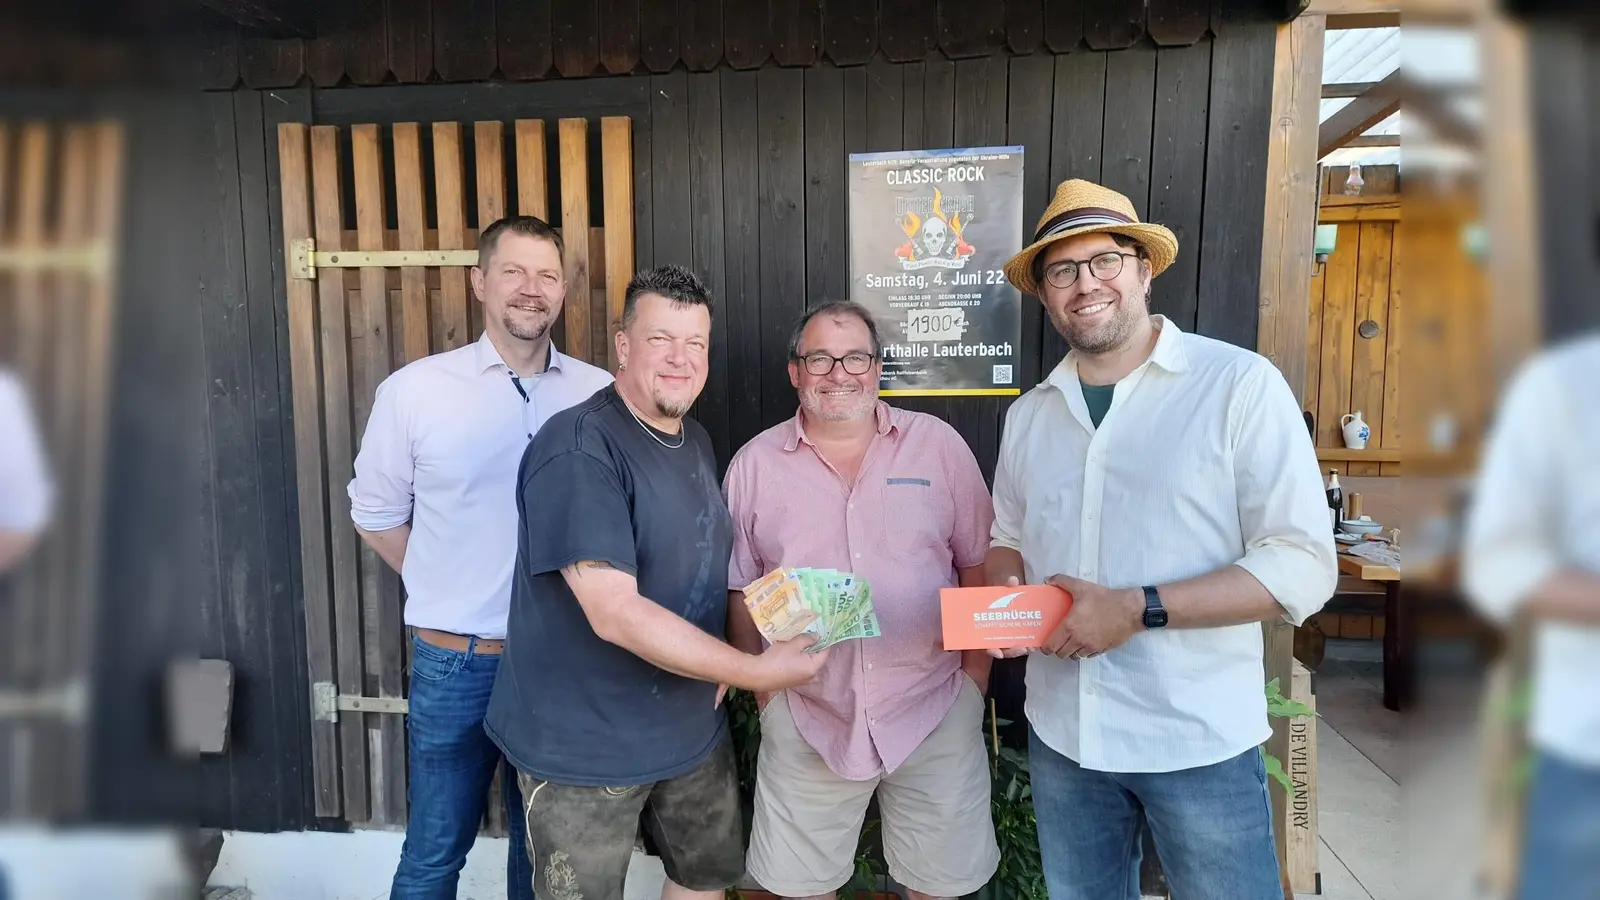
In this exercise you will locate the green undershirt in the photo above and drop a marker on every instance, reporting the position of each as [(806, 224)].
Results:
[(1098, 398)]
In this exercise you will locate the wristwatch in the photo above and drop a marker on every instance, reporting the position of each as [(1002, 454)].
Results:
[(1155, 615)]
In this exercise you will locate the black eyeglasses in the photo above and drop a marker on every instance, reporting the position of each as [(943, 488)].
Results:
[(1105, 267), (854, 363)]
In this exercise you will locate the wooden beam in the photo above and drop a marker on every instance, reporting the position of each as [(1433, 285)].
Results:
[(1374, 140), (269, 18), (1341, 89), (1287, 265), (1430, 104), (1375, 213), (1364, 20), (1365, 111)]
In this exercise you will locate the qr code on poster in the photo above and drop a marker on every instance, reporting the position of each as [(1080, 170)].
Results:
[(1002, 374)]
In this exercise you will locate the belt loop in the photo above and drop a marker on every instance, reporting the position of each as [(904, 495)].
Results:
[(472, 646)]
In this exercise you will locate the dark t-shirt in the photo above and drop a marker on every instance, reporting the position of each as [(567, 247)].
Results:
[(1098, 398), (567, 706)]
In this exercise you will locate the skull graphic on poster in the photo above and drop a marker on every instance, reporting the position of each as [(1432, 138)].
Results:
[(935, 236)]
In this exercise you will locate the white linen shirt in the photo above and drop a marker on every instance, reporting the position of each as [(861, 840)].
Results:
[(441, 451), (1202, 461), (1537, 510)]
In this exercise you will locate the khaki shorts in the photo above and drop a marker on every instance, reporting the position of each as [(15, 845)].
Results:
[(938, 835)]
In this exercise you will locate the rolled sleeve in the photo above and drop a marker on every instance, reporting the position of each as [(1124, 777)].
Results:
[(1510, 548), (974, 509), (738, 486), (381, 492), (1283, 511), (26, 492)]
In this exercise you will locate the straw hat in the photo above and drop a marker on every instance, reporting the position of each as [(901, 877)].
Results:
[(1081, 207)]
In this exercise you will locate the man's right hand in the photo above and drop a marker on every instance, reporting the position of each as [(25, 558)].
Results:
[(786, 664)]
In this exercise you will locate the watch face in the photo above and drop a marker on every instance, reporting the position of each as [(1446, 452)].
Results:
[(1155, 618)]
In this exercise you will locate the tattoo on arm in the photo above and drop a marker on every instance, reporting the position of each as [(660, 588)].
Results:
[(591, 564)]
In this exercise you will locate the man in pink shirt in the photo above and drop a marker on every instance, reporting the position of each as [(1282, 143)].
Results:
[(896, 497)]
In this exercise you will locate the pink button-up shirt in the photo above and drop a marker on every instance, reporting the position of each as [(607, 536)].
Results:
[(918, 510)]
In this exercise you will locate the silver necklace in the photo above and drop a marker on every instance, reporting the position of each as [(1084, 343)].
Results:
[(682, 435)]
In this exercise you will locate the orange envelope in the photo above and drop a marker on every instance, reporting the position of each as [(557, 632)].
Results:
[(984, 618)]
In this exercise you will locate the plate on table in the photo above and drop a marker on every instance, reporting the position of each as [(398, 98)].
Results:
[(1343, 538)]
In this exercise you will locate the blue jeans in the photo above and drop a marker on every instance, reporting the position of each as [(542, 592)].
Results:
[(1561, 846), (1212, 828), (452, 762)]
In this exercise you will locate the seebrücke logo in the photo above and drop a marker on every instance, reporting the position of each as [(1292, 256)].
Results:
[(934, 239), (1006, 613), (1005, 601)]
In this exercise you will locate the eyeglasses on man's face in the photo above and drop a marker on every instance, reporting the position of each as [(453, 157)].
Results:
[(820, 364), (1105, 266)]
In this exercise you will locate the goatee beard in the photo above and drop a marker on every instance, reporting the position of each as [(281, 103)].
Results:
[(669, 409), (525, 332)]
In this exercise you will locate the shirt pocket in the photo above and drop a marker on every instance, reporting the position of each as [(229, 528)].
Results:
[(918, 515)]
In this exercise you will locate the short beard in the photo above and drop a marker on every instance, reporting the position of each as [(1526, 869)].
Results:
[(1113, 335), (524, 332), (811, 402)]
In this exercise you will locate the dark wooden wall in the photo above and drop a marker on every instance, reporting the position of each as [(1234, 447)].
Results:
[(739, 173), (374, 42)]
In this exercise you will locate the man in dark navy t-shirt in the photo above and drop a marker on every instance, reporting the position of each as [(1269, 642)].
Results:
[(608, 696)]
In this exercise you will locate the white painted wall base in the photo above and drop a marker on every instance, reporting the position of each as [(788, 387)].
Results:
[(360, 865), (72, 865)]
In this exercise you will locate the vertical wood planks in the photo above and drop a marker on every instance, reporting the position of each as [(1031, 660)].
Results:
[(334, 339), (850, 31), (1129, 123), (574, 138), (1235, 196), (488, 144), (449, 177), (741, 154), (616, 154), (295, 184), (412, 218), (669, 158), (1391, 367), (827, 225), (1338, 336), (706, 224), (781, 188), (1028, 124), (370, 350), (531, 176), (1367, 354), (1177, 172)]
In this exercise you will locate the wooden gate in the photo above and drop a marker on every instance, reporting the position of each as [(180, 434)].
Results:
[(60, 200), (343, 343)]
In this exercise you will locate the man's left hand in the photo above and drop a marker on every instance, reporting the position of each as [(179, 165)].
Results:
[(1100, 619)]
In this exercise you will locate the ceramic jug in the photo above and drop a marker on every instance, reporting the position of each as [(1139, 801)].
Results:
[(1356, 431)]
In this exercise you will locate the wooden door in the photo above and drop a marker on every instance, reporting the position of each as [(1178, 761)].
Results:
[(350, 327)]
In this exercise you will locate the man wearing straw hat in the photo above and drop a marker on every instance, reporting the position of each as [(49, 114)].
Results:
[(1167, 482)]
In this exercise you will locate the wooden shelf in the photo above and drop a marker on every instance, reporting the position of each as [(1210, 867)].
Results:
[(1340, 454)]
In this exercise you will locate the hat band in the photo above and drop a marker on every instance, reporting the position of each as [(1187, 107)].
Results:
[(1079, 218)]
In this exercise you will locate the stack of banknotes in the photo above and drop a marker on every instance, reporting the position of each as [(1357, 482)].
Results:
[(830, 605)]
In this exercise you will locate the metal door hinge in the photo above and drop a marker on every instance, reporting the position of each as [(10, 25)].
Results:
[(326, 701), (305, 259)]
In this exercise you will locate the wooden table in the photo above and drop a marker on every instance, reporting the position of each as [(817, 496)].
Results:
[(1397, 637)]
